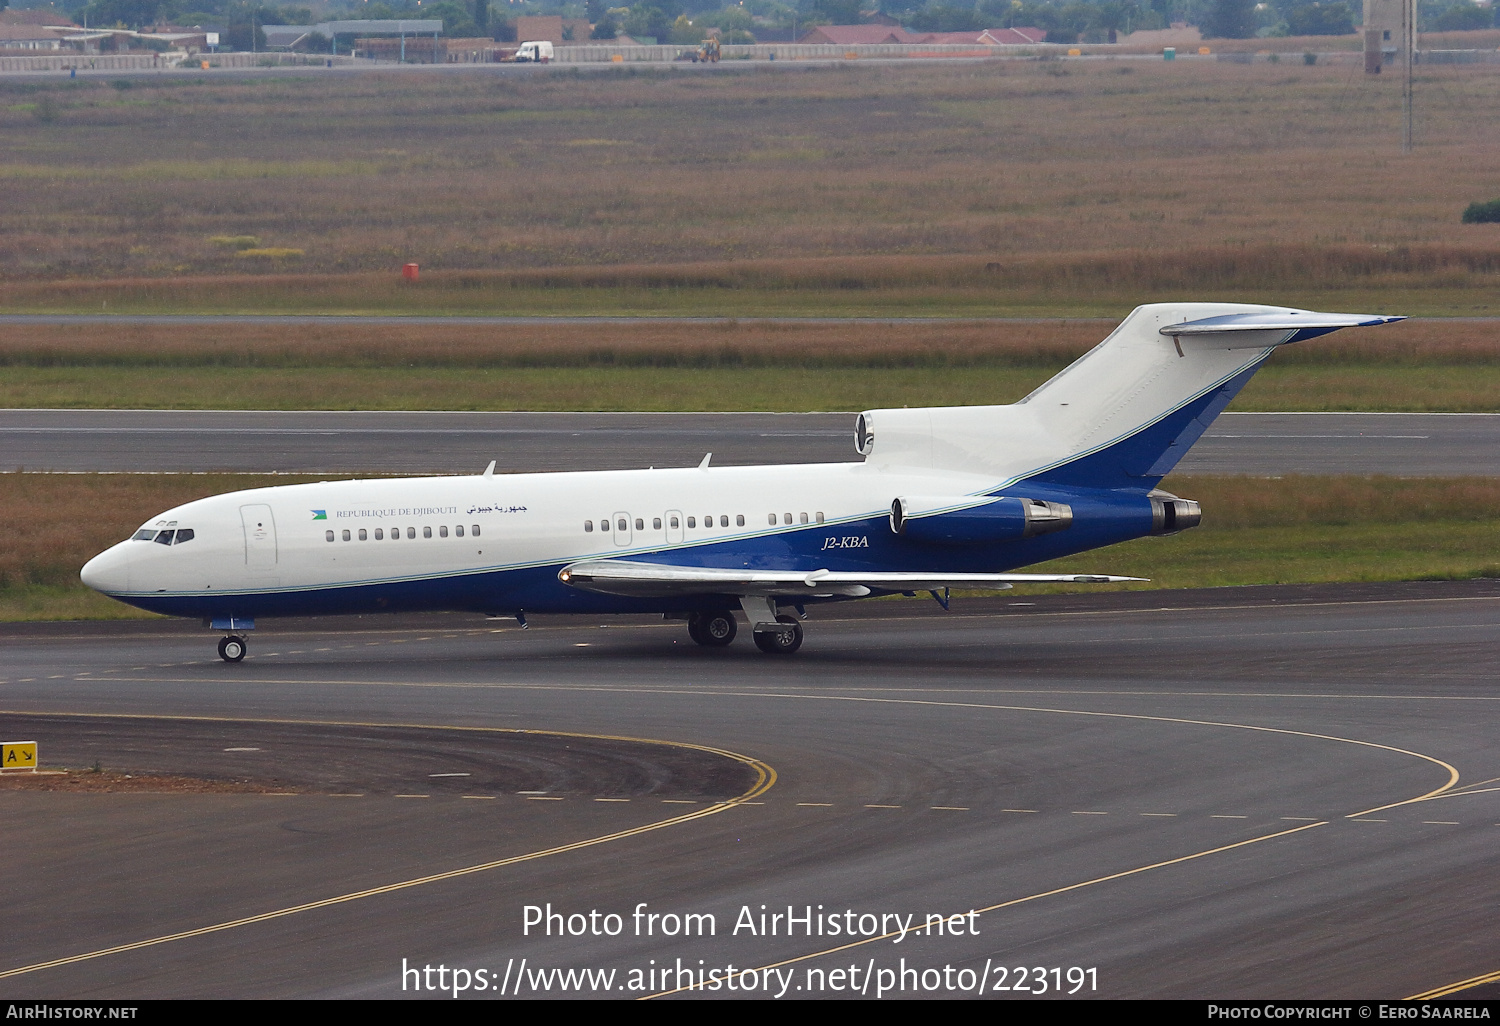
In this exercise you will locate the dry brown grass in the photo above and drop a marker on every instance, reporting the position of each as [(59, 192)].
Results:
[(649, 344), (1430, 278), (1235, 503), (1071, 176)]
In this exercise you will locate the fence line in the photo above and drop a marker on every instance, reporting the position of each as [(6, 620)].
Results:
[(147, 61), (588, 53), (593, 53)]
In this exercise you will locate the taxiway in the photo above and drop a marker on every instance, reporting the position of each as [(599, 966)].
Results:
[(134, 441), (1240, 793)]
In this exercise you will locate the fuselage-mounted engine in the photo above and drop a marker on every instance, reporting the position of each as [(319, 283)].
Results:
[(1169, 514), (975, 520)]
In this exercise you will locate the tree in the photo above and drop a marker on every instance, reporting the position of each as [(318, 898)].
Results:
[(313, 42), (1062, 24), (1230, 19), (1482, 213), (458, 23), (670, 8), (941, 17), (1115, 15), (1320, 19), (130, 13), (482, 16), (607, 28), (1463, 17), (901, 10), (1164, 10), (683, 32), (728, 19), (838, 12), (648, 20)]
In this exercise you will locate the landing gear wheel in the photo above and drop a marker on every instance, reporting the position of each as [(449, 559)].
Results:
[(232, 648), (780, 642), (712, 630)]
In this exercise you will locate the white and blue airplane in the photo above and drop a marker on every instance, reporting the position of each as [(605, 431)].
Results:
[(946, 497)]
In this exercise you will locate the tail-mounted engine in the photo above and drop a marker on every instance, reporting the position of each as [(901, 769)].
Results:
[(970, 521), (1169, 514)]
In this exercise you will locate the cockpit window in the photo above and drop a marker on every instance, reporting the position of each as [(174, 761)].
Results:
[(177, 537)]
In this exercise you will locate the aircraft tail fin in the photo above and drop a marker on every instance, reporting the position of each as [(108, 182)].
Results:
[(1121, 415)]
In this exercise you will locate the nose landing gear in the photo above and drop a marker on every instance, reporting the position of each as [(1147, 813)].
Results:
[(232, 648)]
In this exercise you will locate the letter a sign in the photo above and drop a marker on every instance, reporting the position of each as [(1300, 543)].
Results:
[(17, 755)]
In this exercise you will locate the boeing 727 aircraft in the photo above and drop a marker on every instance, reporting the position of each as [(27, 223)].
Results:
[(946, 497)]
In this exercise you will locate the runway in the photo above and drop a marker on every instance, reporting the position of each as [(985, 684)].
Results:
[(1241, 793), (1404, 445)]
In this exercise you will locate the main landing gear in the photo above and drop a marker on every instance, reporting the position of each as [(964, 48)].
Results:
[(232, 648), (717, 629), (782, 642), (712, 630)]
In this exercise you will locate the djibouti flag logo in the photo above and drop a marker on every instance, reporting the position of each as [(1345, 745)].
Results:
[(320, 514)]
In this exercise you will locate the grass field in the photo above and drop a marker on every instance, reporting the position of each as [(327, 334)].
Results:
[(1431, 280), (1255, 531), (1037, 189), (1041, 187), (1451, 366)]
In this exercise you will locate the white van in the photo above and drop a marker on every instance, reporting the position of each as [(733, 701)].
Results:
[(539, 50)]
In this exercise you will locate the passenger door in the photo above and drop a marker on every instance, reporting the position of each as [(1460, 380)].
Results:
[(260, 538)]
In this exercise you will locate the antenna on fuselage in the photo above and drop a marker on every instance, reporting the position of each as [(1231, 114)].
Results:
[(489, 471), (706, 458)]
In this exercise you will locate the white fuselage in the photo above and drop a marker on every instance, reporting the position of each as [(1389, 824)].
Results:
[(339, 534)]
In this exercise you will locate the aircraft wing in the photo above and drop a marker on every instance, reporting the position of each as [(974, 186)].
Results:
[(656, 580)]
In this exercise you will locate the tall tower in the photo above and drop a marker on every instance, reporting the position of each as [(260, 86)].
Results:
[(1384, 33)]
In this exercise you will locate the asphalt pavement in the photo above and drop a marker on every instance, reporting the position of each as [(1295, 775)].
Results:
[(1404, 445), (1236, 796)]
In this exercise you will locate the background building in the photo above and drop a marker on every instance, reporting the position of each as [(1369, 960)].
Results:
[(1384, 32)]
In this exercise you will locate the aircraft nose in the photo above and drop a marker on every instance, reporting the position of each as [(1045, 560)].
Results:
[(108, 572)]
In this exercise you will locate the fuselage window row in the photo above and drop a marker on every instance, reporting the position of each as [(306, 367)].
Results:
[(411, 532), (623, 524)]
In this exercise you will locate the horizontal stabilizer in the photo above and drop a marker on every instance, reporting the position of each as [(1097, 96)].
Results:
[(1282, 320), (655, 580)]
